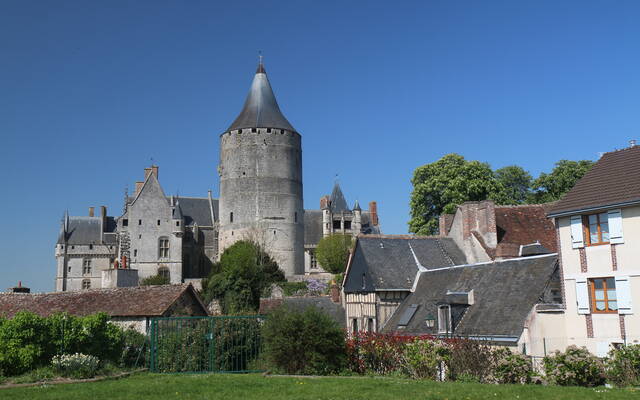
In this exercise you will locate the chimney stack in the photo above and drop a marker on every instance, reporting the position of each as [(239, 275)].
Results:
[(147, 172), (373, 213), (335, 293), (91, 211), (138, 187), (324, 202), (154, 170)]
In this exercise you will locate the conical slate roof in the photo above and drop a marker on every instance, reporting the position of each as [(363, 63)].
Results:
[(338, 202), (261, 108)]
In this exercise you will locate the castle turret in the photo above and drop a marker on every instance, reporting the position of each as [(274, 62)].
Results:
[(261, 179)]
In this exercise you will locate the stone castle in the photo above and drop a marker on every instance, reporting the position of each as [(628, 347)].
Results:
[(261, 199)]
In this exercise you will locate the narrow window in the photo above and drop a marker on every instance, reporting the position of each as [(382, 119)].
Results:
[(73, 247), (163, 247), (69, 268), (253, 130), (231, 217), (125, 222), (177, 223), (139, 222), (354, 324), (314, 260), (295, 217), (268, 130), (135, 252), (364, 281), (61, 247), (603, 295), (158, 222), (90, 247), (444, 319), (596, 228), (86, 266), (86, 284)]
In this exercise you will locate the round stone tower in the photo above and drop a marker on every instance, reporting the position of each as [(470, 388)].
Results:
[(261, 179)]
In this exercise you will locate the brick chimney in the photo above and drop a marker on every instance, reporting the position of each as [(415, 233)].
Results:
[(444, 223), (335, 293), (373, 213), (103, 217), (19, 289), (147, 172), (91, 211), (138, 186), (154, 170), (324, 202)]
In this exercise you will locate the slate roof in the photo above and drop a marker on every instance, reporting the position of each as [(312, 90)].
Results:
[(147, 301), (504, 293), (387, 262), (312, 226), (522, 225), (614, 180), (322, 303), (261, 109), (196, 209), (337, 202), (87, 230)]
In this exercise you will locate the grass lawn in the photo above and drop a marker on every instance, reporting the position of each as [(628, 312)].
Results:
[(219, 386)]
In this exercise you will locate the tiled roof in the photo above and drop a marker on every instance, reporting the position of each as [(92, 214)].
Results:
[(523, 225), (149, 301), (387, 262), (613, 180), (504, 294), (87, 230)]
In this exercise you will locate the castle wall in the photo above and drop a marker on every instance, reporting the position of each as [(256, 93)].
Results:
[(261, 184)]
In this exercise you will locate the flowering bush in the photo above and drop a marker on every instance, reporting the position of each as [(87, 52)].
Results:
[(425, 358), (316, 287), (575, 367), (376, 353), (623, 365), (76, 365), (511, 367)]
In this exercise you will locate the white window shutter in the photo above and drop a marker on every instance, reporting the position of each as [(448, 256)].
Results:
[(576, 232), (623, 293), (615, 227), (582, 296)]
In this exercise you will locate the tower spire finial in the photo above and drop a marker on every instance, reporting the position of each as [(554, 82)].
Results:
[(260, 64)]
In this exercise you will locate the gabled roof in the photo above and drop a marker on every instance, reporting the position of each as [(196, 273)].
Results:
[(140, 301), (504, 293), (337, 202), (613, 181), (387, 262), (261, 109)]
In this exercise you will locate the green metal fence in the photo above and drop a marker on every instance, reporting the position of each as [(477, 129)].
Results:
[(205, 344)]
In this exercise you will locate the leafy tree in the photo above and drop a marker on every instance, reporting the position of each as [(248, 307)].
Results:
[(333, 252), (307, 342), (155, 280), (551, 187), (516, 182), (441, 186), (243, 272)]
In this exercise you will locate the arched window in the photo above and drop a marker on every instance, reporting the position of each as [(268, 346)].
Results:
[(86, 284), (164, 272), (163, 247)]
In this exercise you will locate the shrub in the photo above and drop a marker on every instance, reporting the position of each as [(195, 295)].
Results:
[(575, 367), (511, 368), (293, 288), (333, 252), (24, 343), (471, 360), (425, 358), (134, 349), (623, 366), (307, 342), (76, 365), (155, 280), (376, 353)]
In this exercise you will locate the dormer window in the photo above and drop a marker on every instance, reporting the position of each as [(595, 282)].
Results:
[(444, 319)]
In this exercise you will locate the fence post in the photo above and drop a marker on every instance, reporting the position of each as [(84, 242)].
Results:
[(212, 344), (152, 347), (544, 345)]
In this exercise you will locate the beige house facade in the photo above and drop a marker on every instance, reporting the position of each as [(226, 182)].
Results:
[(598, 225)]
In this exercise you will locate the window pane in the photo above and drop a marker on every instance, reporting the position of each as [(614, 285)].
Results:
[(599, 294), (604, 218), (600, 305), (593, 219), (611, 283), (598, 283), (613, 305), (605, 233), (611, 294), (593, 237)]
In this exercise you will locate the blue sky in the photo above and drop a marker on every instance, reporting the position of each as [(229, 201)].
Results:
[(90, 91)]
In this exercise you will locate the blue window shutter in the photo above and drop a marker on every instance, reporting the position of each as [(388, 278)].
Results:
[(615, 227), (576, 232)]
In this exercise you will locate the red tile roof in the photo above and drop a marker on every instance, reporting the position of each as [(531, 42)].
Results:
[(148, 301), (521, 225), (613, 180)]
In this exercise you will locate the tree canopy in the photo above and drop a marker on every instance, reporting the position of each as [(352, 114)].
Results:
[(238, 280), (439, 187), (333, 252)]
